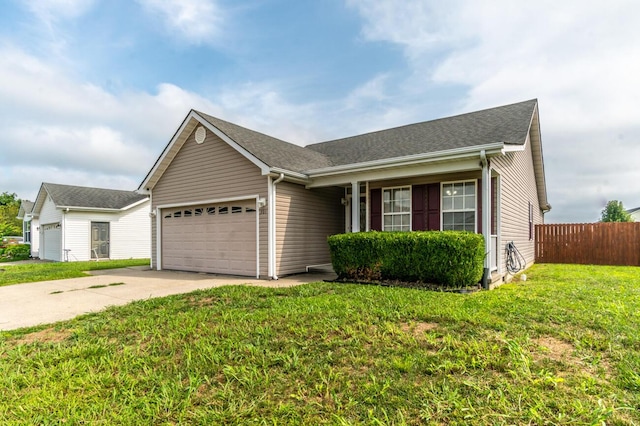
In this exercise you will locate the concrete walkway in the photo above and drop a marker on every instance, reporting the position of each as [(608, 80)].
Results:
[(30, 304)]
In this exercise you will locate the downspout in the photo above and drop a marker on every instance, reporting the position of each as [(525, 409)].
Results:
[(64, 236), (272, 225), (486, 222)]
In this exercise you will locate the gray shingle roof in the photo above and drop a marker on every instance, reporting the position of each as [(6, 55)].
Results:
[(81, 196), (508, 124), (271, 151), (27, 206)]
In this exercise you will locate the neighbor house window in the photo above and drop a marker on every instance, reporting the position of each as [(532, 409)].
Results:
[(396, 209), (459, 206), (27, 233)]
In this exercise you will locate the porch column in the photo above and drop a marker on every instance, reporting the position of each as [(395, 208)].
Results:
[(486, 218), (355, 207)]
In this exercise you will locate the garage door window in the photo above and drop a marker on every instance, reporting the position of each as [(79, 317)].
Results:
[(177, 214), (188, 213), (223, 210), (236, 209), (197, 212), (211, 210)]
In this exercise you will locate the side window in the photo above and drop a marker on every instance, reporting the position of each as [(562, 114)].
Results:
[(530, 220)]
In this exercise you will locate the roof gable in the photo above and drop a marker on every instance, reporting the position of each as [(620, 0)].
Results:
[(26, 207)]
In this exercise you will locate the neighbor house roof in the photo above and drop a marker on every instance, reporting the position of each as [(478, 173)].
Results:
[(82, 197), (630, 211), (26, 207)]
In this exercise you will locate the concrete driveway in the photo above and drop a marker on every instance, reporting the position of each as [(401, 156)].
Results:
[(30, 304)]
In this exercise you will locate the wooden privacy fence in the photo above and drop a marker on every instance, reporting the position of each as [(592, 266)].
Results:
[(612, 243)]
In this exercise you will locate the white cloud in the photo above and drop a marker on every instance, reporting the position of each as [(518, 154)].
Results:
[(196, 21), (578, 58), (73, 132), (50, 11)]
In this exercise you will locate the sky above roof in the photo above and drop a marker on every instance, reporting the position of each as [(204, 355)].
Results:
[(91, 91)]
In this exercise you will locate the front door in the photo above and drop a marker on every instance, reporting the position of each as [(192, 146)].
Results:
[(99, 240)]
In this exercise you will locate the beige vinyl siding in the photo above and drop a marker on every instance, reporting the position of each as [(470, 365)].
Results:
[(518, 188), (305, 218), (210, 171)]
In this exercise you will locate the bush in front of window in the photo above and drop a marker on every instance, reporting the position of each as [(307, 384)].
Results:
[(450, 258)]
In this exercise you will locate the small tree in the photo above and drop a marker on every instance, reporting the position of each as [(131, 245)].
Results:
[(9, 208), (615, 212)]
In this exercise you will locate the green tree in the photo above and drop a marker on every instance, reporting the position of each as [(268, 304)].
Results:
[(615, 212), (9, 208)]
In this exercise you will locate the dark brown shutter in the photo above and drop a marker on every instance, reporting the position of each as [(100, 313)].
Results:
[(479, 203), (376, 209), (433, 207), (417, 208), (494, 206)]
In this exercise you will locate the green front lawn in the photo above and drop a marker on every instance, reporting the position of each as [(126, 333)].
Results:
[(561, 348), (32, 272)]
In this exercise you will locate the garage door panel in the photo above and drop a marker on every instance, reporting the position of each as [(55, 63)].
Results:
[(207, 241), (51, 241)]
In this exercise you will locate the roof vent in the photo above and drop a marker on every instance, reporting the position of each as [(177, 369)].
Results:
[(201, 133)]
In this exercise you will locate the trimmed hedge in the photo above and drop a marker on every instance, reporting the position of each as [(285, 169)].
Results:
[(448, 258), (15, 252)]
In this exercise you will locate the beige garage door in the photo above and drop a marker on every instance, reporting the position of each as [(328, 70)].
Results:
[(215, 238)]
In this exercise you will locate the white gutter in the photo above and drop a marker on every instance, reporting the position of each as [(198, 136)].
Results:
[(272, 224), (290, 174), (103, 209)]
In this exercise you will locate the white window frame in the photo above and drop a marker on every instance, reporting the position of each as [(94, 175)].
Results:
[(464, 210), (410, 212)]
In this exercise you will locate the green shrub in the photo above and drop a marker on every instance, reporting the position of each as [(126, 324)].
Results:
[(16, 252), (449, 258)]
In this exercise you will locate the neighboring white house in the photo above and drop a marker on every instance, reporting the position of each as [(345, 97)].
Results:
[(81, 223), (635, 214), (30, 226)]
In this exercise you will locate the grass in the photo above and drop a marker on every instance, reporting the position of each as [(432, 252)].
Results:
[(561, 348), (32, 272)]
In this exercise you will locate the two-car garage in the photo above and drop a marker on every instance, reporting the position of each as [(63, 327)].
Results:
[(211, 237)]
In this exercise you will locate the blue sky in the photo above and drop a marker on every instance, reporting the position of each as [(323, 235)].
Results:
[(92, 90)]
